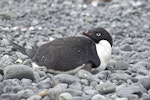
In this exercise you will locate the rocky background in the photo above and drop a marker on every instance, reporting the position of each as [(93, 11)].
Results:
[(34, 22)]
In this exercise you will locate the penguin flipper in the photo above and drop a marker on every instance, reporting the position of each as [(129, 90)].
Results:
[(28, 52)]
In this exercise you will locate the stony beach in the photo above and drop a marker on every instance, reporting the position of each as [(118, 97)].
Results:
[(31, 23)]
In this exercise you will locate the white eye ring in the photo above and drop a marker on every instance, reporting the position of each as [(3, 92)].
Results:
[(98, 34)]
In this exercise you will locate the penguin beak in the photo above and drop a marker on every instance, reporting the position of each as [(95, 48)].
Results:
[(86, 33)]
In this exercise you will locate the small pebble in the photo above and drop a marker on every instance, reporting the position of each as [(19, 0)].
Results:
[(65, 96)]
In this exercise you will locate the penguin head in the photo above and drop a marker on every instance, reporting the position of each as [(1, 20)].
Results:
[(98, 34)]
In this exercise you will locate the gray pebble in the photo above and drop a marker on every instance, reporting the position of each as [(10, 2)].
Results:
[(1, 77), (122, 65), (24, 94), (133, 97), (83, 74), (106, 88), (121, 99), (18, 71), (98, 97), (65, 78), (35, 97), (91, 92), (132, 89), (45, 84), (76, 86), (46, 98), (145, 82), (9, 97), (120, 76), (126, 47)]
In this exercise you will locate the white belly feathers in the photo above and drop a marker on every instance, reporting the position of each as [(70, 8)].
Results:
[(104, 52)]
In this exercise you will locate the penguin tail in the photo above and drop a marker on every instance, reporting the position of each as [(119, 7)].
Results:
[(28, 52)]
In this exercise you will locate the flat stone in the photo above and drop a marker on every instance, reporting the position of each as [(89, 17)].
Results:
[(122, 65), (83, 74), (132, 89), (126, 47), (120, 76), (65, 78), (106, 88), (76, 86), (18, 71), (10, 97), (45, 84)]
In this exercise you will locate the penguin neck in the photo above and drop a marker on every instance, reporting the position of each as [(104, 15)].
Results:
[(104, 50)]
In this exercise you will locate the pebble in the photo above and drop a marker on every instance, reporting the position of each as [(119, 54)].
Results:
[(120, 76), (83, 74), (106, 88), (9, 97), (64, 78), (98, 97), (45, 84), (132, 89), (65, 96), (76, 86), (126, 47), (24, 94), (122, 99), (35, 97), (122, 65), (145, 82), (43, 93), (18, 71)]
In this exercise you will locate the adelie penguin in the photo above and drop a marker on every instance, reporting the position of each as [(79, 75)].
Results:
[(70, 54)]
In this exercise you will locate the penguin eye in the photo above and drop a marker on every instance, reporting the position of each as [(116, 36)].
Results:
[(98, 34)]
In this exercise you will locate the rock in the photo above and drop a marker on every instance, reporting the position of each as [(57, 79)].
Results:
[(132, 89), (83, 74), (65, 96), (9, 97), (43, 93), (98, 97), (80, 98), (76, 86), (145, 82), (18, 71), (121, 99), (1, 77), (45, 84), (46, 98), (24, 94), (133, 97), (55, 92), (120, 76), (145, 96), (91, 92), (126, 47), (8, 14), (61, 86), (122, 65), (35, 97), (106, 88), (65, 78)]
